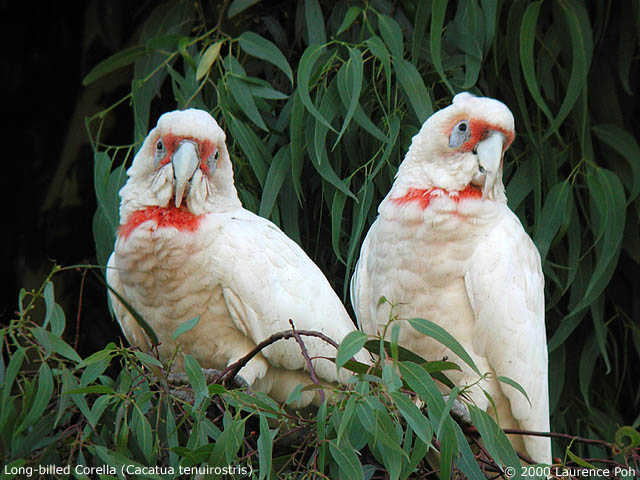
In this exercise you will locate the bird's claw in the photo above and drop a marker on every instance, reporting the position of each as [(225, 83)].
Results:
[(211, 376), (459, 411), (177, 379), (239, 383)]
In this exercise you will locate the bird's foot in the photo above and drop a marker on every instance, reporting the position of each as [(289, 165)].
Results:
[(211, 375), (459, 411), (180, 378), (177, 379), (239, 383)]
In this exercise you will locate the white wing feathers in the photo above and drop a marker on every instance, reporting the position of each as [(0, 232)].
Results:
[(505, 281), (132, 331), (359, 286), (267, 279)]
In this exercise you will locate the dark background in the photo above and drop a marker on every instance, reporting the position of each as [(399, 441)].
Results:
[(48, 165)]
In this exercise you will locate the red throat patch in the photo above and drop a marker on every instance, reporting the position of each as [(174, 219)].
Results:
[(165, 217), (424, 196)]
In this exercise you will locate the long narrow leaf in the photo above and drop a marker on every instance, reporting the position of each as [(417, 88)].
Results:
[(305, 70), (350, 82), (264, 49), (439, 334)]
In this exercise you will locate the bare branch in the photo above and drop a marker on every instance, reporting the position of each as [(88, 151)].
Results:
[(232, 370), (305, 354)]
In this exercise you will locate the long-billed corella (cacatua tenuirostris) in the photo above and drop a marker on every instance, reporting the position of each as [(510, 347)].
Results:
[(186, 248), (446, 247)]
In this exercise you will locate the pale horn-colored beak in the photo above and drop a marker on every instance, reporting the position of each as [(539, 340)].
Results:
[(185, 162), (489, 159)]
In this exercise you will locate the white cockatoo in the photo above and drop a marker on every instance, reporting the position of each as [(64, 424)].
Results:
[(186, 248), (446, 247)]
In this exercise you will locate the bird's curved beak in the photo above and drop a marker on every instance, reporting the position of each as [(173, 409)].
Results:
[(489, 159), (185, 162)]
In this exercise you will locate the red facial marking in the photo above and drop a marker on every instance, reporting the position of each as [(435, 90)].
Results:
[(479, 130), (424, 196), (206, 148), (165, 217)]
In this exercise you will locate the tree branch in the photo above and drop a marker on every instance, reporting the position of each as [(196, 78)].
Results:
[(305, 354), (232, 370)]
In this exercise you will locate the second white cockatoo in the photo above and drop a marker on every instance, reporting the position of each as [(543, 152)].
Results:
[(187, 248), (446, 247)]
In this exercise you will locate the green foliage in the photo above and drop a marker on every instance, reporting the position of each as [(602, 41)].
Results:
[(63, 410), (320, 101), (119, 410)]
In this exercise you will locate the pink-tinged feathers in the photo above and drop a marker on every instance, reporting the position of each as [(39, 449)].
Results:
[(179, 218), (212, 259), (443, 251), (424, 196)]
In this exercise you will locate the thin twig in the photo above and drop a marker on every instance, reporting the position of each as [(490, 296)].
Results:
[(229, 373), (76, 340), (304, 445), (305, 354), (557, 435), (532, 433), (220, 18), (487, 460), (279, 438)]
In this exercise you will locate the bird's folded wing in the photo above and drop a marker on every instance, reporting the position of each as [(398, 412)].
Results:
[(267, 281), (132, 330), (359, 287), (506, 291)]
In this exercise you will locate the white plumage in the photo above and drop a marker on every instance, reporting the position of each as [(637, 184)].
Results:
[(187, 248), (446, 247)]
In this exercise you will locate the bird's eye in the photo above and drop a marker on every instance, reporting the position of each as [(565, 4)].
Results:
[(212, 162), (460, 134), (160, 153)]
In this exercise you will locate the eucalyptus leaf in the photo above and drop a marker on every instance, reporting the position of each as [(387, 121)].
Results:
[(264, 49), (239, 6), (209, 56), (351, 344)]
